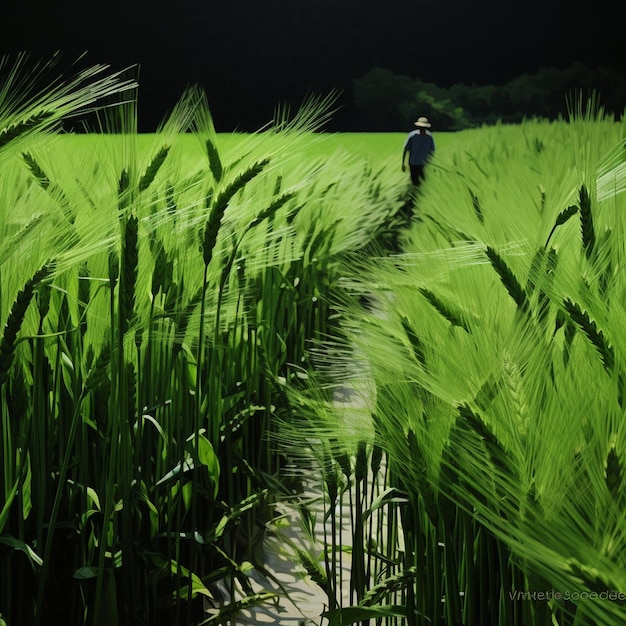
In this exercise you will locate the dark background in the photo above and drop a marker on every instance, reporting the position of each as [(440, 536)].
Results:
[(252, 56)]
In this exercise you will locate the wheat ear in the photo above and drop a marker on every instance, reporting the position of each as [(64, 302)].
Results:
[(220, 205), (389, 585), (476, 206), (22, 127), (586, 222), (129, 264), (614, 475), (215, 163), (508, 278), (153, 168), (15, 319), (592, 332), (561, 218), (454, 318), (313, 569)]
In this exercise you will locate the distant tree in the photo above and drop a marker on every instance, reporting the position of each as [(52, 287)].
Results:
[(441, 110), (386, 102), (380, 97)]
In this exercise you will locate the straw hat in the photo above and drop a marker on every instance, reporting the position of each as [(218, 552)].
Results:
[(423, 122)]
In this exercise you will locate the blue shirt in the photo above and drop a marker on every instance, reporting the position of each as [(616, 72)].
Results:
[(420, 146)]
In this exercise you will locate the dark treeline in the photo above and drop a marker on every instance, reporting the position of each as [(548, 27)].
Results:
[(252, 57), (381, 100), (384, 101)]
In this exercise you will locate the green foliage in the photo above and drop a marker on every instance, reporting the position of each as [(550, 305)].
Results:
[(463, 431), (385, 101), (139, 396), (492, 358), (33, 100)]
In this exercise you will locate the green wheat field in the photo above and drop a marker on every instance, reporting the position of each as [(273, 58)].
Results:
[(202, 331)]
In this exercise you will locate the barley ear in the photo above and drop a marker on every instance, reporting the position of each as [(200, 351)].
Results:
[(163, 272), (278, 184), (123, 188), (114, 270), (215, 163), (513, 286), (561, 219), (592, 332), (270, 211), (240, 181), (30, 124), (376, 458), (389, 585), (542, 203), (343, 460), (128, 275), (360, 466), (43, 301), (569, 332), (43, 181), (614, 475), (36, 170), (220, 205), (472, 421), (535, 269), (417, 346), (586, 222), (15, 319), (153, 168), (444, 309), (313, 569), (476, 206), (183, 318)]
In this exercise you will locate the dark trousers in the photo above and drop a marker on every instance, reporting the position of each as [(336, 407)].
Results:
[(417, 174)]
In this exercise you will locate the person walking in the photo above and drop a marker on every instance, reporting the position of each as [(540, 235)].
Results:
[(419, 147)]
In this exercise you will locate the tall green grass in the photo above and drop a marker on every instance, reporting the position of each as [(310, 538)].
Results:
[(492, 363), (186, 314), (158, 296)]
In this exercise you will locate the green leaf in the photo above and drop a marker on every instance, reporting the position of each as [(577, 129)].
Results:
[(197, 586), (388, 496), (16, 544), (179, 468), (187, 492), (208, 458), (221, 526), (93, 496), (245, 505)]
